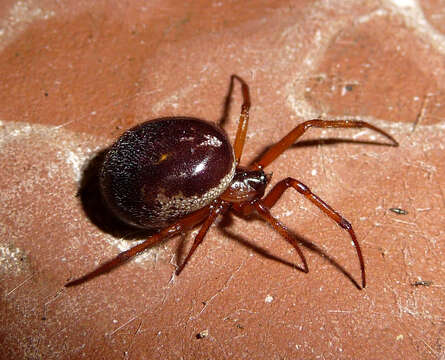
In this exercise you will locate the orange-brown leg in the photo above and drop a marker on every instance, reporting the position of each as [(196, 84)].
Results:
[(217, 210), (279, 227), (287, 141), (272, 197), (185, 223), (243, 120)]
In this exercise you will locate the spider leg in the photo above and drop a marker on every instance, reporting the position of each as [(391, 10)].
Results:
[(185, 223), (272, 197), (243, 120), (217, 210), (277, 149), (263, 211)]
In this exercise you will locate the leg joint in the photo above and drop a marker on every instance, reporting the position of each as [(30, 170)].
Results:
[(297, 185), (345, 224)]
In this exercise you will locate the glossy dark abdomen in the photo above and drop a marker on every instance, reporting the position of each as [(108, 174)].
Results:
[(163, 169)]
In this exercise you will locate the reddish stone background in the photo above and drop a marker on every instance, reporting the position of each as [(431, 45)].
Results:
[(73, 77)]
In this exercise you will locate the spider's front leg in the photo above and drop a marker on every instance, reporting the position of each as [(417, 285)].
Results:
[(247, 208), (263, 206), (272, 197), (286, 142)]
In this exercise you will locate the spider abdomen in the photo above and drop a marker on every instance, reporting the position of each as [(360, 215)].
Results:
[(164, 169)]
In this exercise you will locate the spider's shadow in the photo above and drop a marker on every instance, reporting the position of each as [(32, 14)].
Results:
[(226, 107), (324, 142)]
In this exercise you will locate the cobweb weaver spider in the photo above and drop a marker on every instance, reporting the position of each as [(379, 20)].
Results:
[(141, 185)]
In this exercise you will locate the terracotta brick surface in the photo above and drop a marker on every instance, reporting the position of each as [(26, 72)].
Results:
[(73, 76)]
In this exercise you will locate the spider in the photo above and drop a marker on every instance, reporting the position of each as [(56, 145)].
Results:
[(172, 174)]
